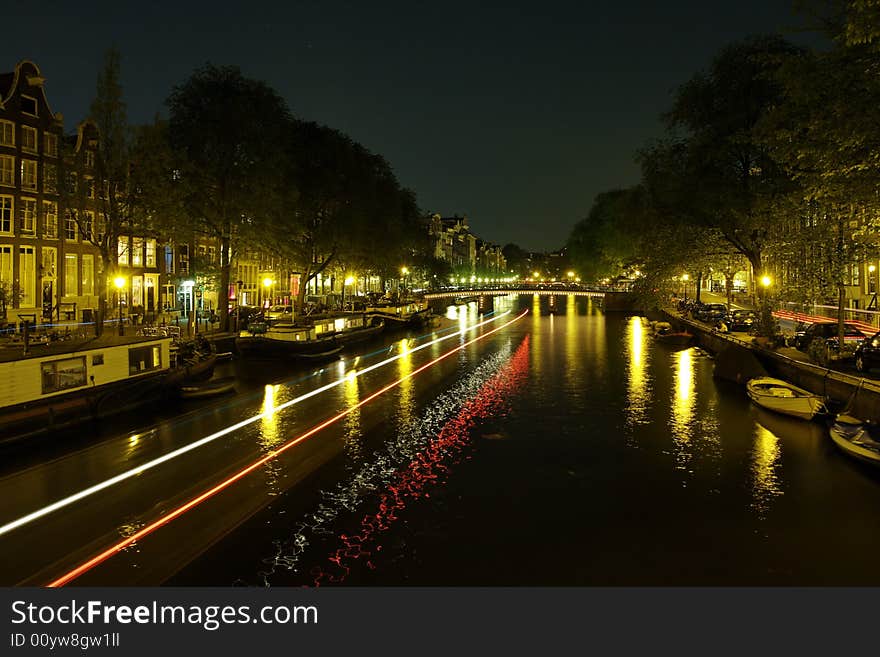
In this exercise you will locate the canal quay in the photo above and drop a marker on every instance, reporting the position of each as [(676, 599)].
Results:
[(517, 447)]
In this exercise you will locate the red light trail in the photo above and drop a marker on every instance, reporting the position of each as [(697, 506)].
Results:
[(226, 483), (427, 468)]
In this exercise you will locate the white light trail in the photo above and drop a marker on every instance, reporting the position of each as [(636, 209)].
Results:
[(107, 483)]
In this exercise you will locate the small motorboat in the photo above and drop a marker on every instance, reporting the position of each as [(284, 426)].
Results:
[(857, 438), (783, 397), (210, 388), (663, 332)]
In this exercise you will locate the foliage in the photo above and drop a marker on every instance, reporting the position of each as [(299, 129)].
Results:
[(229, 136)]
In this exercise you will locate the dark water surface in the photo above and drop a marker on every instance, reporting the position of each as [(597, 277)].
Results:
[(582, 454)]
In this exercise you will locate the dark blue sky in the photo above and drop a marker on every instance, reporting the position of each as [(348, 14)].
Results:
[(515, 114)]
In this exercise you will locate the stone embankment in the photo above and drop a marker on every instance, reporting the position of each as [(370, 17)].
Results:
[(737, 359)]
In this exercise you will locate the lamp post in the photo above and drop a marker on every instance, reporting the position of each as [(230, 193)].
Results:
[(267, 283), (684, 279), (872, 287), (404, 271), (348, 281), (119, 282)]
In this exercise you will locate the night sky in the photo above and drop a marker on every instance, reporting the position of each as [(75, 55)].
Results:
[(514, 114)]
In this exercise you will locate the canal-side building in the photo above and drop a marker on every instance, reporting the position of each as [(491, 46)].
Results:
[(31, 240)]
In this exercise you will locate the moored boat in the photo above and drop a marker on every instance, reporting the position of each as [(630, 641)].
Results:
[(324, 338), (783, 397), (209, 388), (61, 385), (857, 439), (664, 333)]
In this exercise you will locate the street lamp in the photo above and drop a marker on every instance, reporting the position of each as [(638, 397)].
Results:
[(348, 281), (766, 281), (267, 283), (404, 271), (684, 279), (119, 282)]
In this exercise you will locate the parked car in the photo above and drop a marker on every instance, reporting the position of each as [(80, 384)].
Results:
[(868, 353), (280, 313), (710, 312), (826, 331), (741, 320)]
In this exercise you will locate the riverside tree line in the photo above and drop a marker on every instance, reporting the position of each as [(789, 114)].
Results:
[(770, 157), (232, 163)]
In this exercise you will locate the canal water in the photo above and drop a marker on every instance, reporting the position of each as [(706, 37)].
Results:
[(567, 449)]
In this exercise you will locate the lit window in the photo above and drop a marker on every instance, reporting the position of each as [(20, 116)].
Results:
[(137, 252), (71, 275), (70, 231), (29, 174), (27, 211), (50, 212), (151, 253), (6, 214), (122, 250)]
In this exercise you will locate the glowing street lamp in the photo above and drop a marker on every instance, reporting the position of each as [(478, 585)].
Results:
[(684, 279), (348, 281), (766, 281), (267, 283), (119, 282)]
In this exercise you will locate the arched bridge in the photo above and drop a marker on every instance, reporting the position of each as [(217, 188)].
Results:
[(615, 299)]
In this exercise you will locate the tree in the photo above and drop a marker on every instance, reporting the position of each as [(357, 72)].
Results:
[(103, 184), (718, 174), (229, 135)]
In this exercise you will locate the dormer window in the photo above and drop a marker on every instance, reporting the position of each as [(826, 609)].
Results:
[(29, 105)]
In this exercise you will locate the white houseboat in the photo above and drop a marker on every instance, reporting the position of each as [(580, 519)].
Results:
[(58, 385)]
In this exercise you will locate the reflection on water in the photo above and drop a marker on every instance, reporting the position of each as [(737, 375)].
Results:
[(765, 465), (537, 338), (352, 426), (638, 388), (682, 418), (270, 436), (406, 404)]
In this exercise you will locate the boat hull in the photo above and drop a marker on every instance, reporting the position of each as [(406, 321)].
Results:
[(844, 438), (782, 397)]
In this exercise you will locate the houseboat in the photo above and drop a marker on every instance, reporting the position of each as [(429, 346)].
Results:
[(59, 385), (410, 313), (325, 337)]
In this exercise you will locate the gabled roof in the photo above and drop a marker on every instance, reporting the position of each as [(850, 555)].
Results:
[(6, 80)]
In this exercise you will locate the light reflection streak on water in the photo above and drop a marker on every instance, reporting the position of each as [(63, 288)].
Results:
[(682, 419), (352, 426), (405, 403), (382, 466), (765, 464), (270, 436), (537, 338), (638, 389), (137, 470), (572, 370)]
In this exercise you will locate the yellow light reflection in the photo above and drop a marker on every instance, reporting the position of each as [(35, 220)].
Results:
[(766, 481), (638, 393), (270, 437), (405, 401), (682, 419), (352, 425), (537, 338), (269, 420)]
